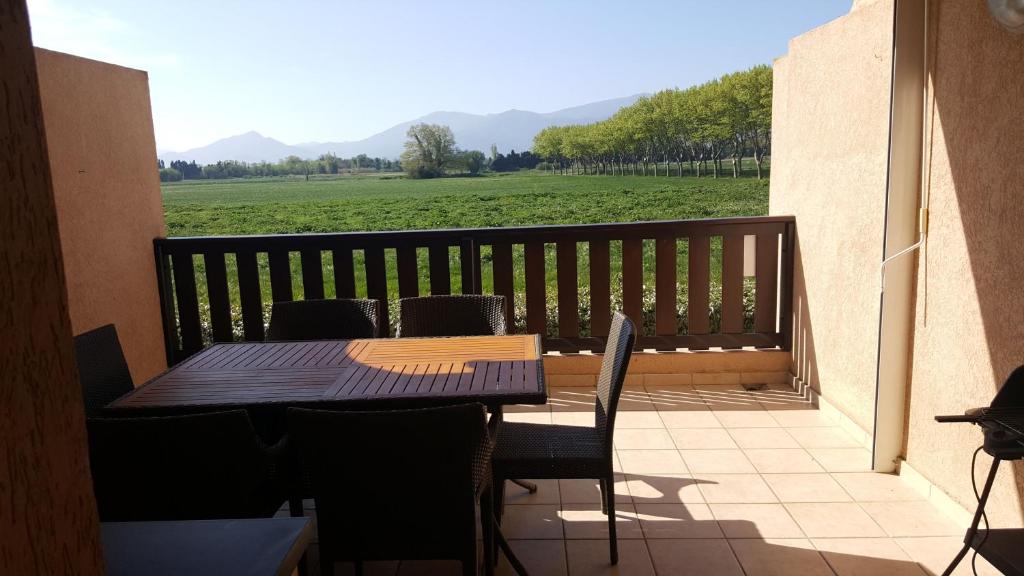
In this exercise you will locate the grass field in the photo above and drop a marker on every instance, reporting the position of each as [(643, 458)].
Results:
[(365, 203)]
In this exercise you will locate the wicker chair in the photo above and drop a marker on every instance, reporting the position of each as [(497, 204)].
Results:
[(528, 450), (339, 319), (102, 369), (370, 469), (190, 467), (462, 315)]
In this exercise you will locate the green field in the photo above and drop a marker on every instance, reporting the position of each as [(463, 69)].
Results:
[(388, 202)]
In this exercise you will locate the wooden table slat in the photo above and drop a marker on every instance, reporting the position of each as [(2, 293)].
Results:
[(492, 369)]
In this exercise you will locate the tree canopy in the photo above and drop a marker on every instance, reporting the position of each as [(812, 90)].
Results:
[(729, 117), (429, 149)]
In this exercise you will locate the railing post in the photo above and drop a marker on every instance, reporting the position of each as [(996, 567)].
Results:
[(166, 294), (786, 303), (469, 259)]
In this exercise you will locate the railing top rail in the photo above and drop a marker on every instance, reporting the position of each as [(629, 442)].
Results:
[(549, 232)]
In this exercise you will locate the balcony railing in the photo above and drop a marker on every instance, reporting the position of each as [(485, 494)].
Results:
[(715, 304)]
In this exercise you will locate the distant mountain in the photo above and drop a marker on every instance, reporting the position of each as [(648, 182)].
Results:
[(248, 147), (509, 130)]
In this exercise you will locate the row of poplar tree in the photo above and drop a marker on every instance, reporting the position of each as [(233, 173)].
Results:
[(699, 128)]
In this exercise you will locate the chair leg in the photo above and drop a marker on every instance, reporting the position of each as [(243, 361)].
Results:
[(487, 530), (604, 497), (358, 565), (609, 498), (530, 486)]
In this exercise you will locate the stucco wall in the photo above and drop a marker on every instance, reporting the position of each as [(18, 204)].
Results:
[(830, 123), (969, 320), (99, 130), (48, 519)]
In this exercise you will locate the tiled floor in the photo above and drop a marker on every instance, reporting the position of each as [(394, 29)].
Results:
[(718, 480)]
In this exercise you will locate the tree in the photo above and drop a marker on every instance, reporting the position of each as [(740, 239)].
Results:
[(473, 161), (429, 149)]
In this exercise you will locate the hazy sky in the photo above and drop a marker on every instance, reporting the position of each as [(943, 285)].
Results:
[(315, 70)]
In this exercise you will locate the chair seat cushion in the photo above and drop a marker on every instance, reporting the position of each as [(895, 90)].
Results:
[(526, 450)]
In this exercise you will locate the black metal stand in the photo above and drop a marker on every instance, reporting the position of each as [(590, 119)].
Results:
[(1004, 549)]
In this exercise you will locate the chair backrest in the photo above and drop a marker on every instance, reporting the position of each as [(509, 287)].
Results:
[(338, 319), (458, 315), (102, 369), (187, 467), (392, 485), (617, 353)]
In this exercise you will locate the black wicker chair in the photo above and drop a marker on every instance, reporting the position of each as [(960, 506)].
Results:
[(460, 315), (370, 469), (191, 467), (528, 450), (339, 319), (102, 369)]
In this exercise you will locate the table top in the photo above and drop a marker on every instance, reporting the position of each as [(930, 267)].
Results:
[(256, 547), (493, 370)]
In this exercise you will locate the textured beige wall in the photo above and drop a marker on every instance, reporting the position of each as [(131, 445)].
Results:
[(969, 321), (99, 129), (830, 130), (48, 519)]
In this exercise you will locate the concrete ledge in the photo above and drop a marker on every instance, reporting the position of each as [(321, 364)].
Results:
[(676, 368)]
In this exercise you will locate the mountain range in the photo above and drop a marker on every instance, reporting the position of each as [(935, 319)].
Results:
[(509, 130)]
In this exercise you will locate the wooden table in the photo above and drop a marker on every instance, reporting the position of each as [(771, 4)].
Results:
[(374, 373), (251, 547)]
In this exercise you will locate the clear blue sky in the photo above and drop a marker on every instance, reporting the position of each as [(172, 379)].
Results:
[(318, 70)]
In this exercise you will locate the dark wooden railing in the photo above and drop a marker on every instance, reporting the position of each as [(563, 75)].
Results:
[(773, 264)]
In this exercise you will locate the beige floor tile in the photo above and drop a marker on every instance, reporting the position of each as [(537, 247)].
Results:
[(755, 521), (677, 521), (877, 487), (866, 557), (572, 399), (643, 439), (638, 419), (693, 558), (701, 438), (762, 438), (633, 398), (520, 408), (539, 557), (689, 419), (745, 418), (430, 568), (834, 520), (732, 400), (537, 417), (671, 398), (650, 462), (810, 418), (577, 491), (734, 489), (806, 488), (782, 460), (935, 554), (823, 437), (663, 489), (547, 493), (716, 461), (912, 519), (585, 521), (573, 418), (532, 522), (779, 557), (590, 558), (842, 459)]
